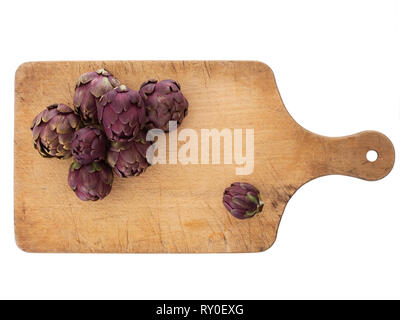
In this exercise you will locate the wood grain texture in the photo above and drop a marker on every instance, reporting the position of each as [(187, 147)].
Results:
[(176, 208)]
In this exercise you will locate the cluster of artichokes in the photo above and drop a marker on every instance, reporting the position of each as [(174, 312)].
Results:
[(106, 130)]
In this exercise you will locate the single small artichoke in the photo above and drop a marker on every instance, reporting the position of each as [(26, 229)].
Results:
[(129, 158), (52, 131), (242, 200), (89, 144), (164, 102), (90, 182), (121, 112), (88, 90)]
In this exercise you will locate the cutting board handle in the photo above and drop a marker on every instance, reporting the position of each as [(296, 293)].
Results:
[(348, 155)]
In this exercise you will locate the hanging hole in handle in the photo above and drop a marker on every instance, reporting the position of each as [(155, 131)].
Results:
[(372, 155)]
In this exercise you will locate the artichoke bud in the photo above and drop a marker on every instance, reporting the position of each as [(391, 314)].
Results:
[(242, 200), (121, 112), (89, 145), (164, 102), (52, 131), (90, 182), (129, 158), (89, 88)]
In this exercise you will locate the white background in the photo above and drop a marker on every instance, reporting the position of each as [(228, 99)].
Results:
[(337, 68)]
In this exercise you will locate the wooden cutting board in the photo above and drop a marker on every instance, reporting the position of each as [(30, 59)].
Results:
[(175, 207)]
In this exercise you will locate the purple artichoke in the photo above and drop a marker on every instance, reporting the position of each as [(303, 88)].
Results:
[(88, 90), (52, 131), (129, 158), (90, 182), (88, 145), (242, 200), (164, 102), (121, 112)]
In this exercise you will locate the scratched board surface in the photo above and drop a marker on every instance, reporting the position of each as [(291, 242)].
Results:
[(175, 207)]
